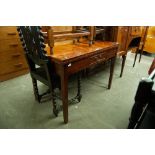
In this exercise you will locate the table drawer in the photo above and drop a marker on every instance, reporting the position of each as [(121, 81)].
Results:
[(102, 57), (8, 32), (12, 66), (91, 60), (10, 45)]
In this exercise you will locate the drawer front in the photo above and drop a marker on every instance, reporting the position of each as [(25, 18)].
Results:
[(12, 66), (90, 61), (12, 55), (8, 32), (10, 45)]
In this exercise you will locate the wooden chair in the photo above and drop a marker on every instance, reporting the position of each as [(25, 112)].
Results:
[(41, 68), (94, 32), (99, 32), (74, 34), (88, 30)]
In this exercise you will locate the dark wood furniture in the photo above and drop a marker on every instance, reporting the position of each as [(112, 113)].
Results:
[(41, 67), (12, 59), (39, 64), (70, 59)]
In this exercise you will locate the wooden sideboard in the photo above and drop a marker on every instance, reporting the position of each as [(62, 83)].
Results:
[(125, 34), (12, 59)]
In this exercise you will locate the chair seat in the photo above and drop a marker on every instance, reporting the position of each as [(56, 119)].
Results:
[(40, 74)]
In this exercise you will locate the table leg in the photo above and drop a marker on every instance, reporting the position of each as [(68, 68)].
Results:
[(64, 93), (141, 52), (112, 64), (135, 58), (123, 64)]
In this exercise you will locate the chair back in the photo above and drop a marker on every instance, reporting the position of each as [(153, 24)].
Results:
[(33, 44)]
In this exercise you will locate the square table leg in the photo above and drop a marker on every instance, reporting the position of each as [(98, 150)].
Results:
[(64, 94), (112, 64)]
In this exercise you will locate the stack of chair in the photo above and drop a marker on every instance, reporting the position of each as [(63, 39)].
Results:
[(52, 37)]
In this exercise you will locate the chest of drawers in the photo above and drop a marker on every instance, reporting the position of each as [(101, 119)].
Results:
[(12, 59)]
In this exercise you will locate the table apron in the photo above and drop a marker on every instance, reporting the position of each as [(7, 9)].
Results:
[(90, 61)]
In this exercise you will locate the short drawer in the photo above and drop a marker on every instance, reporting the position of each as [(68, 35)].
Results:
[(8, 32), (12, 66), (90, 61), (10, 45), (103, 56), (11, 56)]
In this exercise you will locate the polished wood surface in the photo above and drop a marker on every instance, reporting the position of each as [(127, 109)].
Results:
[(72, 58), (12, 59), (70, 52)]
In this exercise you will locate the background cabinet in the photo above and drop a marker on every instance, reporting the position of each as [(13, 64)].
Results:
[(12, 59), (126, 35)]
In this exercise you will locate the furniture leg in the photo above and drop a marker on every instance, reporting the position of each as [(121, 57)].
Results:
[(140, 56), (55, 107), (135, 58), (123, 64), (64, 93), (35, 89), (141, 52), (79, 96), (112, 64)]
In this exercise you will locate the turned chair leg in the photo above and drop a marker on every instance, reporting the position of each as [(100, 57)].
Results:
[(55, 106), (35, 89), (123, 64)]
